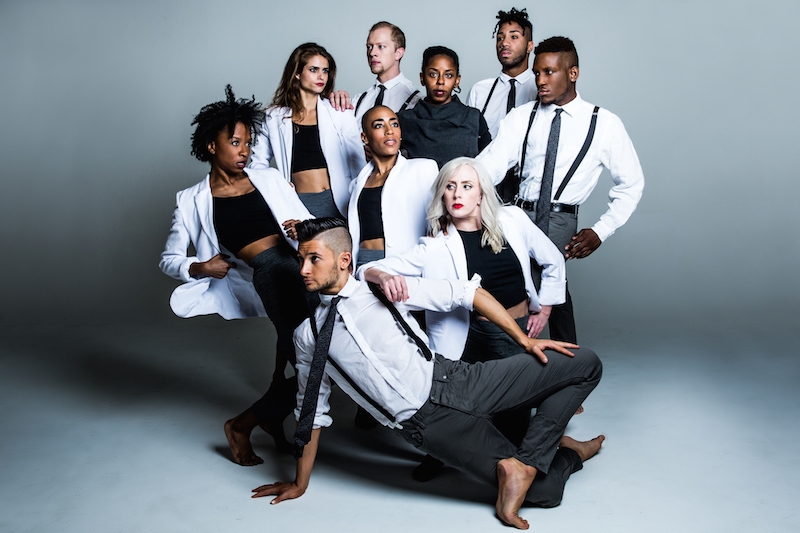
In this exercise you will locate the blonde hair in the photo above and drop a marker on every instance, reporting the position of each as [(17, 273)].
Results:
[(439, 218)]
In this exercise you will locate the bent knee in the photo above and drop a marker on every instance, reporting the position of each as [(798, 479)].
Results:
[(591, 362)]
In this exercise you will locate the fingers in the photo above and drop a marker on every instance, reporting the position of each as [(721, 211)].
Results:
[(267, 490), (540, 354)]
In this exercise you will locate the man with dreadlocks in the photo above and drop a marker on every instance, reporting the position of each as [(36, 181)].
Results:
[(244, 264), (515, 85)]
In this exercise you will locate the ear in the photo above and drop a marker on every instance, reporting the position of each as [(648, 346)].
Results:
[(530, 47), (399, 53), (364, 138), (422, 79), (458, 80), (212, 147), (345, 258), (573, 74)]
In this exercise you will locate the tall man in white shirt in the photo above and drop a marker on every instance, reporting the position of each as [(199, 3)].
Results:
[(386, 44), (514, 44), (379, 356), (575, 140)]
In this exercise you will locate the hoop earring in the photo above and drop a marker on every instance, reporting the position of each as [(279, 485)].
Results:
[(457, 90)]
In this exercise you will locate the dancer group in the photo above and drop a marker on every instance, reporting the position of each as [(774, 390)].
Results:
[(337, 218)]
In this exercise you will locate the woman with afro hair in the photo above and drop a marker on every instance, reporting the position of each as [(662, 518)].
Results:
[(244, 264)]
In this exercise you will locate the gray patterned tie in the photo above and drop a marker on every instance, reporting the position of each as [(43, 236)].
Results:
[(306, 422), (546, 191)]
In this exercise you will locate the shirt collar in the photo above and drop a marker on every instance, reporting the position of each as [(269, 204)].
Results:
[(392, 82), (521, 79), (569, 108), (347, 291)]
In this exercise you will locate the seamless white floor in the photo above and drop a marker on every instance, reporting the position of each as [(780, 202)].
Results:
[(117, 427)]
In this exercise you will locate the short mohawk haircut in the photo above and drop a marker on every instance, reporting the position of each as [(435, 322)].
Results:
[(224, 115)]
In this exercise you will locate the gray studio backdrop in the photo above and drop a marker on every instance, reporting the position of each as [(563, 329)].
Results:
[(97, 98)]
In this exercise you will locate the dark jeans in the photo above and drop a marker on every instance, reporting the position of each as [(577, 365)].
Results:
[(455, 424)]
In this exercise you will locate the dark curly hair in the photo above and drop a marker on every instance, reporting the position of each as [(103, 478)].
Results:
[(224, 115), (520, 17), (434, 51), (562, 45)]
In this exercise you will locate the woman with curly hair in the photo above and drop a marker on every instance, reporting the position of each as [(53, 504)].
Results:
[(316, 148), (244, 264)]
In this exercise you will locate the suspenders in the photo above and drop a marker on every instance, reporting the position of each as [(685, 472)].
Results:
[(405, 104), (578, 159), (489, 97)]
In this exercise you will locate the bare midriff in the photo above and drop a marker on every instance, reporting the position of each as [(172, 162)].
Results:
[(518, 311), (314, 180), (247, 253), (373, 244)]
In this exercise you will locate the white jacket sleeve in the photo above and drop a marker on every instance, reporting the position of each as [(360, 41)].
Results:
[(174, 261)]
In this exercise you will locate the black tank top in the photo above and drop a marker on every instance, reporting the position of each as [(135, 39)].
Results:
[(369, 213), (242, 220), (501, 274), (306, 149)]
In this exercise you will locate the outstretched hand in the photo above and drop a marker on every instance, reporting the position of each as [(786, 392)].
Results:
[(537, 346), (582, 245), (284, 491)]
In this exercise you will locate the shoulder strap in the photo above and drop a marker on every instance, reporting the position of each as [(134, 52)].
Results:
[(581, 154), (358, 104), (491, 91), (400, 320), (525, 141), (408, 100)]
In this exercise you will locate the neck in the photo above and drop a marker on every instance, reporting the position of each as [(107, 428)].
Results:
[(570, 96), (516, 70), (220, 177), (472, 223), (384, 164), (309, 101), (390, 74)]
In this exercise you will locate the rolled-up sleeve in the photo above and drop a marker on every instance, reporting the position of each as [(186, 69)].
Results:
[(441, 294)]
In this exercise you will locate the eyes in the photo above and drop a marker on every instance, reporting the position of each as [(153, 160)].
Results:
[(379, 125), (434, 74), (314, 70), (237, 142), (452, 186), (546, 71)]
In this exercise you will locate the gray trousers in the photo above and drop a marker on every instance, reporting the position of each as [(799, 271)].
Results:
[(562, 227), (455, 424)]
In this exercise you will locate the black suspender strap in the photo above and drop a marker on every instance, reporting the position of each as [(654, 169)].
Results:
[(581, 154), (408, 100), (358, 104), (491, 91), (349, 380), (525, 142), (399, 318)]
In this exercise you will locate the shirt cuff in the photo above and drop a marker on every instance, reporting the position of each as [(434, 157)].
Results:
[(466, 292)]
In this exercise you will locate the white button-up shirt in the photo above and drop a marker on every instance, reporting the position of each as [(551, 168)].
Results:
[(398, 89), (611, 148), (496, 110), (374, 351)]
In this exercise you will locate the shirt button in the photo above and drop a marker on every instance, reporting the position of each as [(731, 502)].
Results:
[(444, 376)]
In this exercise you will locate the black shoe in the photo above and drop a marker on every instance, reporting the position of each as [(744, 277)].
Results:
[(428, 469)]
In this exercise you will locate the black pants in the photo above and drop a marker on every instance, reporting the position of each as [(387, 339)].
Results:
[(455, 424)]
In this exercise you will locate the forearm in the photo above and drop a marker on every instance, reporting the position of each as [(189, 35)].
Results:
[(306, 463), (486, 305)]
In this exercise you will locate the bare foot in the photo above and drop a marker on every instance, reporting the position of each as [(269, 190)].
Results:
[(239, 441), (514, 478), (586, 450)]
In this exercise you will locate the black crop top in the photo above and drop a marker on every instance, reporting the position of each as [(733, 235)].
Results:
[(501, 274), (370, 220), (306, 149), (242, 220)]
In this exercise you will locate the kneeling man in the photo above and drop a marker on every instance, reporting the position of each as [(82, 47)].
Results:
[(378, 355)]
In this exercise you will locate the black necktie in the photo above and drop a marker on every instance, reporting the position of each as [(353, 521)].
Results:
[(306, 422), (512, 95), (546, 190), (379, 99)]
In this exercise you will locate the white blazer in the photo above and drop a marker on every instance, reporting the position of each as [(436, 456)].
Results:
[(339, 137), (404, 204), (443, 257), (193, 222)]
